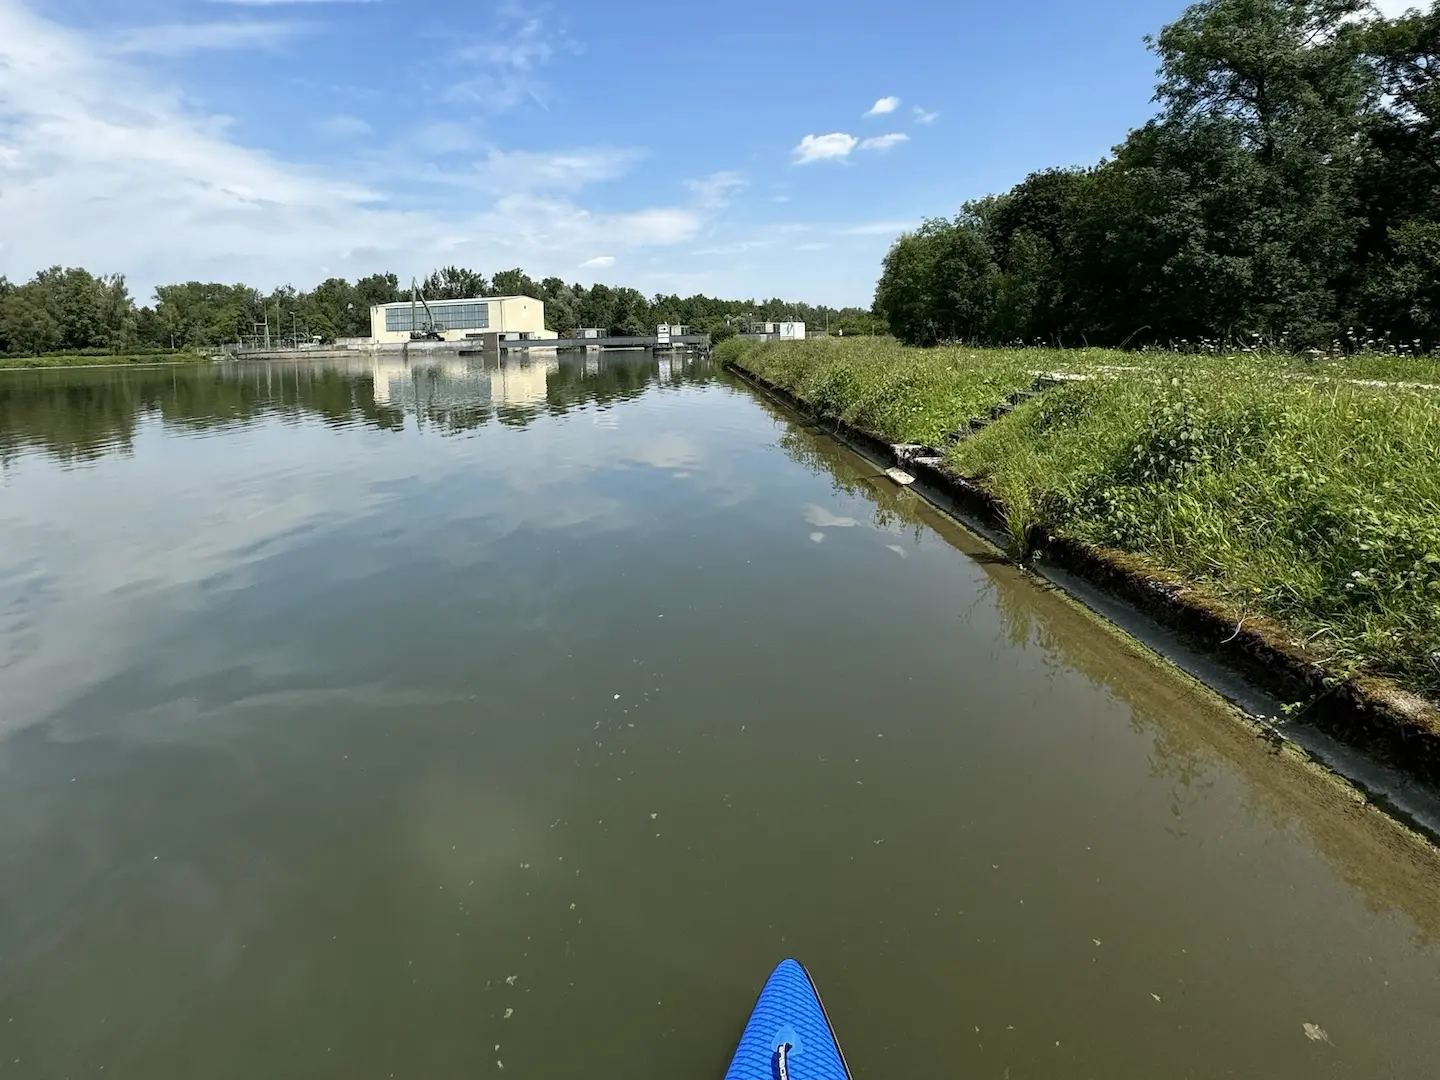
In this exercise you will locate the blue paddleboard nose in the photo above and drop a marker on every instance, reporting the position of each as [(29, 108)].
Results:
[(788, 1013)]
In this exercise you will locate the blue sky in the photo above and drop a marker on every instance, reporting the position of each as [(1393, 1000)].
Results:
[(734, 149)]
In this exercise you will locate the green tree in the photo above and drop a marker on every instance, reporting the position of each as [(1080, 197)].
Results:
[(630, 313), (1285, 80), (330, 309), (515, 283), (70, 308), (26, 326), (455, 283), (562, 305), (940, 283), (369, 292), (1264, 198), (597, 306), (1390, 285), (903, 295), (198, 314)]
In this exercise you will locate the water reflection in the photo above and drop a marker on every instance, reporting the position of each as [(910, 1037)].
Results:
[(1033, 615), (79, 416), (316, 731), (1193, 745)]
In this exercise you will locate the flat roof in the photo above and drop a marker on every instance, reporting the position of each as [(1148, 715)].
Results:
[(464, 300)]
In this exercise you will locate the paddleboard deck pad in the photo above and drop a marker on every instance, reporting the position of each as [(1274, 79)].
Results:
[(788, 1036)]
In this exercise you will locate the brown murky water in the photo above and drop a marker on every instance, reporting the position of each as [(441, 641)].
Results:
[(367, 721)]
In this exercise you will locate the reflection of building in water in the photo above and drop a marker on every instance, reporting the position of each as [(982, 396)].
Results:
[(463, 391), (522, 382), (450, 382)]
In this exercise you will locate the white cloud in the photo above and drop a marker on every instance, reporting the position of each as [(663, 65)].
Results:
[(662, 225), (107, 164), (716, 189), (438, 138), (274, 3), (923, 117), (838, 145), (453, 156), (102, 167), (883, 106), (177, 39), (344, 126), (824, 147), (878, 228), (503, 70), (884, 142), (565, 170), (735, 248), (600, 262), (552, 224)]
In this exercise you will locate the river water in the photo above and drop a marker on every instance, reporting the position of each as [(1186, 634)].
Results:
[(372, 720)]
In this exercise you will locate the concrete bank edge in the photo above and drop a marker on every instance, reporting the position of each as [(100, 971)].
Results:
[(1371, 714)]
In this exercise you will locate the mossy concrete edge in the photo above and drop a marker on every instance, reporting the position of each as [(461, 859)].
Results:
[(1370, 714)]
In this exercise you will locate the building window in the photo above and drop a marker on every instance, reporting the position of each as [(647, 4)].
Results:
[(466, 316)]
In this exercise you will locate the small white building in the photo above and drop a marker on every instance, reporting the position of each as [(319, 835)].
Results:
[(785, 331), (461, 320)]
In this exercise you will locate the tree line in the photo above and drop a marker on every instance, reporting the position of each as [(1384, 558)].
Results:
[(1287, 192), (75, 310)]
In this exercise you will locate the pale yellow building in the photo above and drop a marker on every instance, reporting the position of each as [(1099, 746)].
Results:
[(510, 317)]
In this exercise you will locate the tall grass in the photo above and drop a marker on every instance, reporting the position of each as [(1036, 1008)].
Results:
[(1311, 500), (907, 395)]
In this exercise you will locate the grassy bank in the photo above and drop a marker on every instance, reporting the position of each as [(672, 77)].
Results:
[(1279, 487), (55, 360)]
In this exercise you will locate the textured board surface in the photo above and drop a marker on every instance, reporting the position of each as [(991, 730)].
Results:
[(788, 1011)]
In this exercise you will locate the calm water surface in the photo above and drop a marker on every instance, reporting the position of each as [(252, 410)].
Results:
[(370, 720)]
